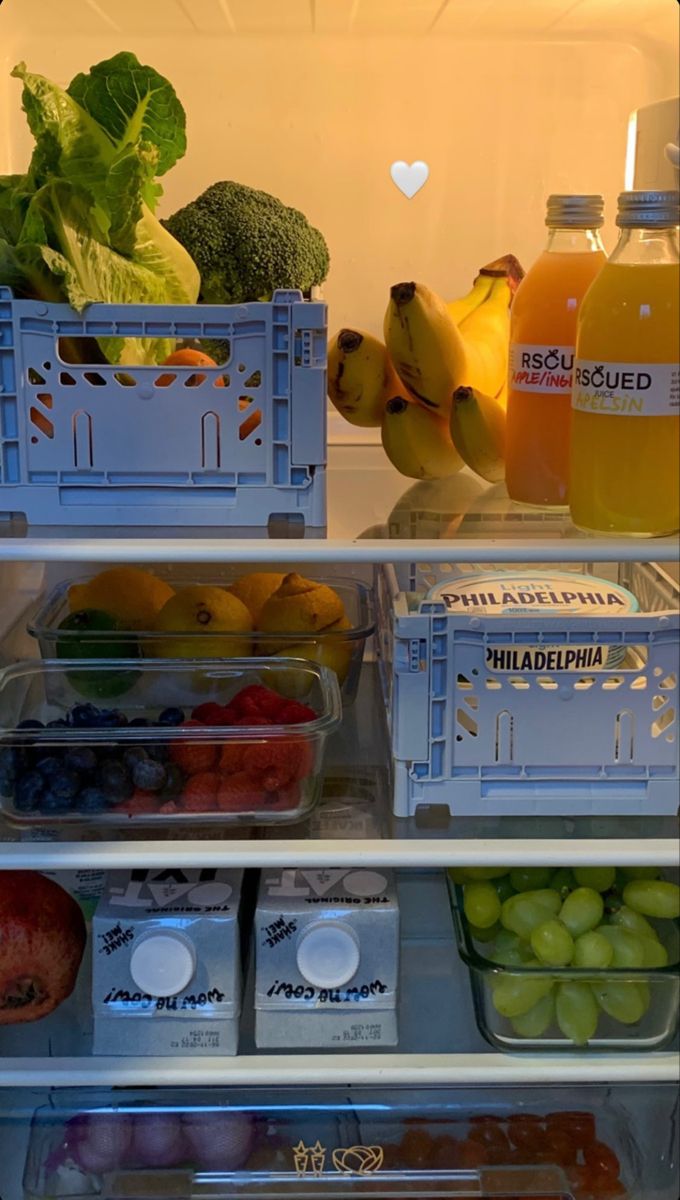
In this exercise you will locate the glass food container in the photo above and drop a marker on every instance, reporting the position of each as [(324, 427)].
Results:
[(640, 1010), (340, 649), (215, 742)]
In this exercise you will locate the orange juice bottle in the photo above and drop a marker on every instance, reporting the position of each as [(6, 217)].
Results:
[(542, 339), (625, 439)]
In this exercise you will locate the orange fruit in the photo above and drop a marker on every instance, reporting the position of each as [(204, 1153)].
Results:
[(188, 358)]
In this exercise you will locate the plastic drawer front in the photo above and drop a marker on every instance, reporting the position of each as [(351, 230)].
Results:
[(466, 1143), (239, 444), (486, 741)]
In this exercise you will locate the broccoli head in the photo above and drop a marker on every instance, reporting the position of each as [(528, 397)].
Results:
[(246, 244)]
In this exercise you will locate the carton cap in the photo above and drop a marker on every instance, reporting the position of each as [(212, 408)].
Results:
[(163, 964), (328, 954)]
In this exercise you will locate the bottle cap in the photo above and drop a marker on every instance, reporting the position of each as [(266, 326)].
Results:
[(328, 954), (649, 210), (574, 212), (163, 964)]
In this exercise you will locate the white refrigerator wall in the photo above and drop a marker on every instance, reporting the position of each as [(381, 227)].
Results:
[(505, 101)]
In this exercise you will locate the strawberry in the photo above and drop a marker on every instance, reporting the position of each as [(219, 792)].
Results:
[(193, 757), (295, 713), (200, 792), (231, 757), (239, 793), (139, 802), (254, 720)]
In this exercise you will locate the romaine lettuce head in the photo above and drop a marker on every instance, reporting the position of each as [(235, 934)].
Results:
[(80, 225)]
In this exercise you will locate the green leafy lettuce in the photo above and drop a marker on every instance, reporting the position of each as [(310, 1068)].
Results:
[(80, 225)]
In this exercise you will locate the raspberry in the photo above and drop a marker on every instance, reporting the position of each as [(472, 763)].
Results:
[(239, 793), (193, 757), (277, 763), (257, 699), (231, 757), (139, 802), (294, 713), (200, 792), (286, 798), (209, 713)]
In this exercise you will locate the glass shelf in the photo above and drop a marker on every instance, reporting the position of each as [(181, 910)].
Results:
[(439, 1041), (374, 515), (355, 818)]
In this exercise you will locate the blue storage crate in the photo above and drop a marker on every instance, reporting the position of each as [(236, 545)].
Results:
[(484, 742), (106, 445)]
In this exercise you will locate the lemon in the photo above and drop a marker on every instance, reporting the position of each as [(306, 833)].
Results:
[(200, 609), (255, 589), (132, 596), (299, 606), (334, 652)]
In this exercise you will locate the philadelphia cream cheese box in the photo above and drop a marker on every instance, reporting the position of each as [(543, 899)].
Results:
[(166, 975), (326, 958), (541, 595)]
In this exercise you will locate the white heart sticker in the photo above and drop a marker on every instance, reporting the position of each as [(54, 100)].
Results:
[(409, 178)]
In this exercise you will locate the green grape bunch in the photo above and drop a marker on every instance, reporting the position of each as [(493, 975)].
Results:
[(603, 919)]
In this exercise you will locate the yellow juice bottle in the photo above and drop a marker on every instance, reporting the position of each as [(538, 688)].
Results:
[(625, 430)]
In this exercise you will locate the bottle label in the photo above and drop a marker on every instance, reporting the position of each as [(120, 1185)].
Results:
[(624, 389), (541, 368)]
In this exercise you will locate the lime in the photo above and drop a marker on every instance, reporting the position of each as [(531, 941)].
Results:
[(85, 630)]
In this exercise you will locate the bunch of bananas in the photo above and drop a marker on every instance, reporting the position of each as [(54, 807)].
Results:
[(437, 385)]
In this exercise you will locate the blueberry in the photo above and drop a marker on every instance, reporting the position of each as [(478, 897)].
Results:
[(6, 782), (48, 765), (139, 723), (93, 800), (115, 780), (65, 783), (159, 753), (85, 716), (171, 716), (28, 791), (149, 775), (51, 803), (60, 723), (134, 755), (10, 760), (30, 724), (174, 782), (81, 758), (111, 718)]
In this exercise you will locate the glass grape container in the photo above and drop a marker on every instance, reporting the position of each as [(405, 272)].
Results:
[(565, 967)]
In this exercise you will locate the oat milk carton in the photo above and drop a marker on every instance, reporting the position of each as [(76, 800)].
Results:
[(326, 958), (166, 974)]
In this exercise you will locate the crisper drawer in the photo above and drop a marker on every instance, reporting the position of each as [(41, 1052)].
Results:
[(585, 1143)]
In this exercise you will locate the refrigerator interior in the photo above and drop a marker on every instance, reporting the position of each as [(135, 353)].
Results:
[(313, 100)]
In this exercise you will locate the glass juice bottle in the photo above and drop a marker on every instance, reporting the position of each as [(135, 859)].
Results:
[(542, 339), (625, 437)]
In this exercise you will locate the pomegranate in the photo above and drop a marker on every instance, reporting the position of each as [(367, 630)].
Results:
[(42, 938)]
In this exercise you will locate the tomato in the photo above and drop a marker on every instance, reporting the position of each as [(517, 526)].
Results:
[(526, 1131), (601, 1160), (580, 1124)]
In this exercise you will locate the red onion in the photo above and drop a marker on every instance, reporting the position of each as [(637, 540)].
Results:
[(100, 1141), (219, 1141), (158, 1140)]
